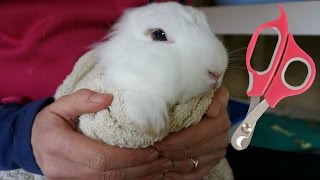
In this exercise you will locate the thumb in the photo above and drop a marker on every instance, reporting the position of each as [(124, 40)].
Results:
[(219, 102), (83, 101)]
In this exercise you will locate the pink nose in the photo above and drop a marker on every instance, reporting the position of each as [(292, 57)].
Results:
[(214, 75)]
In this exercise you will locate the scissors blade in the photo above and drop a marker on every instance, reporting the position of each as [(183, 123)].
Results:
[(254, 102), (242, 136)]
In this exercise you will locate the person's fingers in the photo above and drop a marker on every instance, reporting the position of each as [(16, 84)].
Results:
[(156, 176), (145, 171), (93, 154), (214, 145), (197, 175), (195, 135), (96, 159), (187, 166), (156, 166), (81, 149), (83, 101), (62, 169), (219, 101), (206, 129)]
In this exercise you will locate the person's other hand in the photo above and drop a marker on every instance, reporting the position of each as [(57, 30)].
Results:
[(206, 142), (62, 153)]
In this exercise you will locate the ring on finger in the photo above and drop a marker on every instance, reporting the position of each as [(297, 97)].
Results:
[(195, 163)]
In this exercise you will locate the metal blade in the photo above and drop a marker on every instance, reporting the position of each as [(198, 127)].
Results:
[(242, 136)]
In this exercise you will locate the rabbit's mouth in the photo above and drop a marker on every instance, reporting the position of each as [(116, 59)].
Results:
[(216, 78)]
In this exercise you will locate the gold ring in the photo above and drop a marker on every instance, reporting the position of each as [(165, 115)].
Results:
[(195, 163)]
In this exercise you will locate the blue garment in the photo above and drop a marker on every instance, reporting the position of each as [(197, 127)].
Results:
[(15, 135), (237, 111)]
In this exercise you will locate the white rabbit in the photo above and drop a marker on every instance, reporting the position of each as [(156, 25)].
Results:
[(161, 55)]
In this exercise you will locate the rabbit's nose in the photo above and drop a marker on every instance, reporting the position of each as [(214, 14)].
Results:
[(214, 75)]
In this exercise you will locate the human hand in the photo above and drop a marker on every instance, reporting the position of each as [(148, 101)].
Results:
[(206, 142), (62, 153)]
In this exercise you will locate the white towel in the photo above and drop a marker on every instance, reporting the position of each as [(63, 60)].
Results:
[(109, 125)]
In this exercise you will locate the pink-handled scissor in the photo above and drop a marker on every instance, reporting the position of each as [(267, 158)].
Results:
[(271, 83)]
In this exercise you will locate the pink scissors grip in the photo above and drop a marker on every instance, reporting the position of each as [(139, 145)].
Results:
[(258, 81), (279, 88)]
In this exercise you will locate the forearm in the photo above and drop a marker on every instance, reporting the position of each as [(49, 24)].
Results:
[(15, 135)]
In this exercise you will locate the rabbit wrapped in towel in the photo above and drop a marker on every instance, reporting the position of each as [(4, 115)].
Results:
[(162, 64)]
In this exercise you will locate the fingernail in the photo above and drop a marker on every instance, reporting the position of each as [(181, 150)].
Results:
[(154, 155), (215, 109), (98, 97)]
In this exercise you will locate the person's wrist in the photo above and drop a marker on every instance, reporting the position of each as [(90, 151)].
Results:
[(24, 136)]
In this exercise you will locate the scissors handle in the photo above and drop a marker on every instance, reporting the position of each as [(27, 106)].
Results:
[(259, 81), (279, 88)]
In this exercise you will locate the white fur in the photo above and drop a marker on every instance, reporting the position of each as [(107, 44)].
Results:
[(155, 74)]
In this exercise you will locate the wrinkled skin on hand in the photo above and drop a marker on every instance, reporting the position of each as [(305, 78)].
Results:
[(206, 141), (62, 153)]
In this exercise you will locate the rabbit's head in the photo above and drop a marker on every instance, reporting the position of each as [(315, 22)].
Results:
[(164, 49)]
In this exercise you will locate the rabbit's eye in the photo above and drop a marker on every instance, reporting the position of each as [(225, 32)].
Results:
[(158, 35)]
